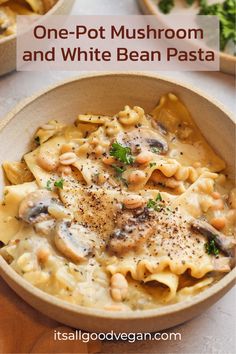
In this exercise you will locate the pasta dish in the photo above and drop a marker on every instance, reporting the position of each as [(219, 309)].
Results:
[(9, 9), (128, 212)]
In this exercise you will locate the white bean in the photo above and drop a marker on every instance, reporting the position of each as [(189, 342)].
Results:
[(136, 177), (108, 160), (133, 201), (144, 157), (47, 162), (68, 158), (119, 287)]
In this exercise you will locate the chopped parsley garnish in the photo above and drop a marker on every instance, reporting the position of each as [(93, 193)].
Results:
[(59, 183), (37, 140), (48, 185), (152, 164), (155, 150), (121, 153), (158, 204), (159, 197), (211, 248), (151, 204)]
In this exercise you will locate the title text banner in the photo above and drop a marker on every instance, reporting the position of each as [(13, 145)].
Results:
[(101, 43)]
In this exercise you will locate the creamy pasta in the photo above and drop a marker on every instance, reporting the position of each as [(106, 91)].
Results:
[(128, 212), (9, 9)]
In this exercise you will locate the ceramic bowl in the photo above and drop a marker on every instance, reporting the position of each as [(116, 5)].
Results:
[(227, 61), (8, 44), (107, 94)]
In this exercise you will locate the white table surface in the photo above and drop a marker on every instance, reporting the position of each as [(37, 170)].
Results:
[(214, 331)]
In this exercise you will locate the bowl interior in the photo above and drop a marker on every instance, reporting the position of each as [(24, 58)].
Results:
[(107, 94)]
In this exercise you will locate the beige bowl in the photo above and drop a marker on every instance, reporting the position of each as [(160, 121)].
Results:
[(107, 94), (227, 61), (8, 44)]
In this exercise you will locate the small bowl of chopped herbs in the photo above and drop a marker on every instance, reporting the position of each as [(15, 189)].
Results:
[(224, 9)]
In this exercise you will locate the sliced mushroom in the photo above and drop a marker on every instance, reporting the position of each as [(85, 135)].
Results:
[(74, 240), (145, 139), (34, 208), (134, 227), (225, 243)]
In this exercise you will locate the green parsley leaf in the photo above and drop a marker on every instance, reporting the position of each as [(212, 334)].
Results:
[(211, 248), (151, 204), (155, 150), (166, 6), (158, 204), (152, 164), (159, 197), (59, 183), (122, 153), (190, 2), (48, 185)]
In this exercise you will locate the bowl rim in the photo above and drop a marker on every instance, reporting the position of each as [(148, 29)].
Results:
[(152, 9), (50, 12), (9, 273), (26, 101)]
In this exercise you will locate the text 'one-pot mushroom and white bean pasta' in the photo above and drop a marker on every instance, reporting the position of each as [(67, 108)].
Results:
[(127, 212)]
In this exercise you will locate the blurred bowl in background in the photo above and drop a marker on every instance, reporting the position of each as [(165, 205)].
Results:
[(8, 44), (227, 61)]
